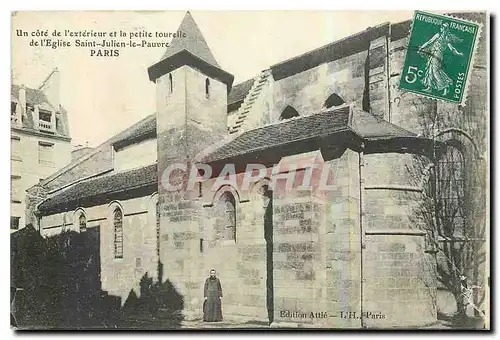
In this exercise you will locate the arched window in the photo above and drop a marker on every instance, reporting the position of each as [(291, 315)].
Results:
[(333, 101), (118, 233), (82, 222), (170, 83), (227, 217), (450, 192), (289, 112), (207, 88)]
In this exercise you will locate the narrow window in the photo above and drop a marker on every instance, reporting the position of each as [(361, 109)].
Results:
[(157, 230), (82, 223), (170, 83), (118, 233), (227, 217), (207, 88), (451, 193)]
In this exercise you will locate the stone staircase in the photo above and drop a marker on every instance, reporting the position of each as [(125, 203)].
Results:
[(254, 93)]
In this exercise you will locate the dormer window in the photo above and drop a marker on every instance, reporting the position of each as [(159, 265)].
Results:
[(45, 120), (207, 88)]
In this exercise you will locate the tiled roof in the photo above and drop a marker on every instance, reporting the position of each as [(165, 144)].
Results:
[(336, 50), (368, 126), (239, 91), (193, 42), (144, 128), (305, 128), (286, 132), (33, 96), (106, 184)]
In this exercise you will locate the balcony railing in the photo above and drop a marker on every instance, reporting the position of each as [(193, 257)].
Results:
[(47, 126)]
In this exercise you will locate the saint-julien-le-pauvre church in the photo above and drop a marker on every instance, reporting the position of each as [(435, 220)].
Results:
[(360, 246)]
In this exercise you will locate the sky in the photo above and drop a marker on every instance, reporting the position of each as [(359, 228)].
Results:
[(105, 95)]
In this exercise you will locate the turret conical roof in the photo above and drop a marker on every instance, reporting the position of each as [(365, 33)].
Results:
[(193, 42)]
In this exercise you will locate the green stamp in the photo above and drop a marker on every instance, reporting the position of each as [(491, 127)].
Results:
[(439, 56)]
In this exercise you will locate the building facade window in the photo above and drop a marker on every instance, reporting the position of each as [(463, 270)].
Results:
[(15, 189), (14, 148), (207, 88), (45, 153), (118, 233), (45, 120), (82, 222), (450, 192), (170, 83), (14, 222), (334, 100), (227, 217), (288, 113)]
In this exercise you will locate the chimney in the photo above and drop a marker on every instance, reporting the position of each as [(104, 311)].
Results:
[(51, 88), (22, 98)]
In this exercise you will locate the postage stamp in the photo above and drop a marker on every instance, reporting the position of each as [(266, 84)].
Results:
[(439, 56)]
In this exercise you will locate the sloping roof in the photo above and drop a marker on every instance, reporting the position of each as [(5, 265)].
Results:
[(33, 96), (144, 128), (98, 186), (193, 42), (368, 126), (333, 51), (239, 91), (289, 131), (321, 124)]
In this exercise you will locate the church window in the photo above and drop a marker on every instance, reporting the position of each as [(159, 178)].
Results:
[(334, 100), (450, 192), (227, 217), (289, 112), (207, 88), (118, 233), (82, 222)]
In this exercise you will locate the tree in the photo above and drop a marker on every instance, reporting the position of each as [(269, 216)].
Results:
[(453, 209)]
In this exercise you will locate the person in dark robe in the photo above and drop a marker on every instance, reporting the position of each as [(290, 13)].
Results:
[(212, 306)]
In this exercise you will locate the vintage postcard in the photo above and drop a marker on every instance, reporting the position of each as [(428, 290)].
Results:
[(250, 170)]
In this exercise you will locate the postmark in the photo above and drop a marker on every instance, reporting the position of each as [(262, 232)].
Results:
[(439, 56)]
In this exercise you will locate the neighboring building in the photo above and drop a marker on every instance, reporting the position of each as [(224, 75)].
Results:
[(40, 140), (355, 248)]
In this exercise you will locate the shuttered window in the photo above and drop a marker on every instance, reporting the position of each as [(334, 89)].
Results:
[(45, 153)]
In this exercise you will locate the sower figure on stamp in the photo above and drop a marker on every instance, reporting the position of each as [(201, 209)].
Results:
[(435, 77), (212, 306)]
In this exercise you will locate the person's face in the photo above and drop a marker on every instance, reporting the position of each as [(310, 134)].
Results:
[(212, 273)]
